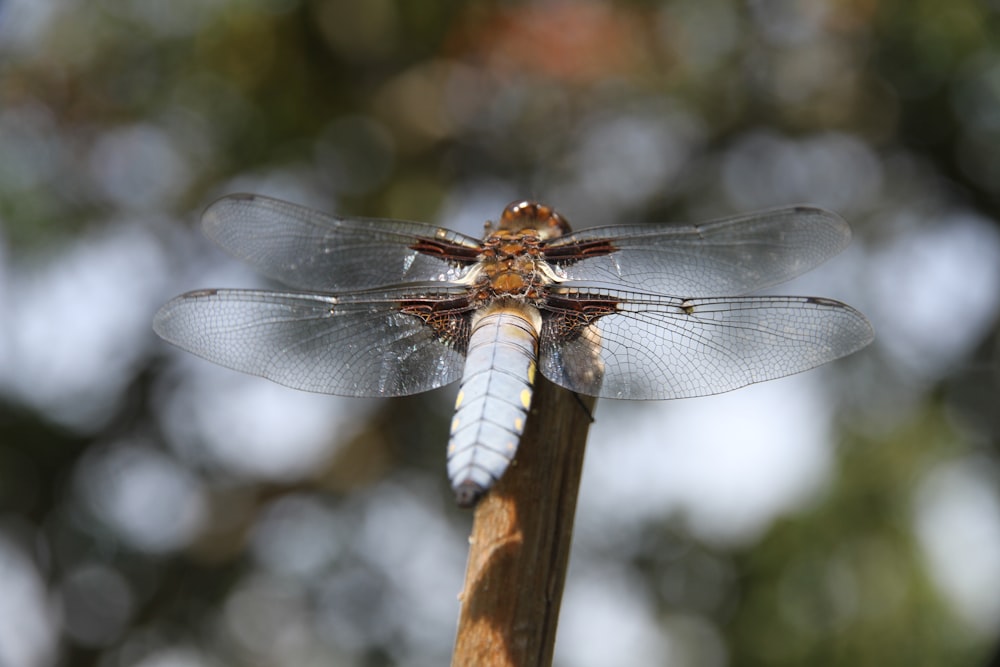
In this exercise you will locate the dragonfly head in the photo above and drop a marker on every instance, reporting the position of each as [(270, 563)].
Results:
[(522, 215)]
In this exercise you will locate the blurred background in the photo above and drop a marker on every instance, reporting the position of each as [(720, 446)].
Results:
[(157, 511)]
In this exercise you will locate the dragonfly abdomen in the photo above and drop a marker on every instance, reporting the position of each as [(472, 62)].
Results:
[(494, 398)]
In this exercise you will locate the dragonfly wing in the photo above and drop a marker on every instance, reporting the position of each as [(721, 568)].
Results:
[(310, 250), (350, 345), (654, 347), (730, 256)]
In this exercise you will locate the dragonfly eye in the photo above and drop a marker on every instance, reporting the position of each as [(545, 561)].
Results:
[(532, 215)]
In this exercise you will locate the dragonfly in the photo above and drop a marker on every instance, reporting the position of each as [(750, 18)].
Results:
[(393, 308)]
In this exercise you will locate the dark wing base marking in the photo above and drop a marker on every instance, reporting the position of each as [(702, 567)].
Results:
[(446, 250), (449, 319), (581, 249)]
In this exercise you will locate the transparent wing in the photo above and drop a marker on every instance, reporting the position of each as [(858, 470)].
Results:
[(307, 249), (730, 256), (350, 345), (653, 347)]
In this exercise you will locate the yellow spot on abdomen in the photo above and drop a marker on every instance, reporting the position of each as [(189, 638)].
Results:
[(459, 398), (518, 424), (531, 373), (526, 398), (454, 424)]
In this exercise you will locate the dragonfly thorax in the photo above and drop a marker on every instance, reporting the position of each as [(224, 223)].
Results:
[(511, 265)]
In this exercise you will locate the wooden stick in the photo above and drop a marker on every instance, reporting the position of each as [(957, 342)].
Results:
[(521, 537)]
